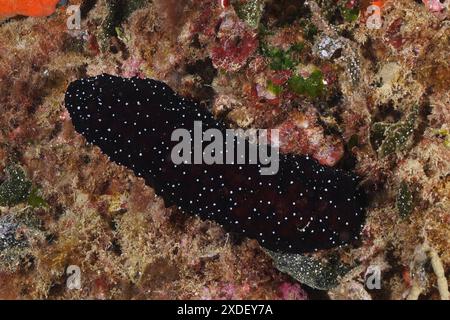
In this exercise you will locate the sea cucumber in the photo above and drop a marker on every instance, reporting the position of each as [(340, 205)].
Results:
[(303, 208)]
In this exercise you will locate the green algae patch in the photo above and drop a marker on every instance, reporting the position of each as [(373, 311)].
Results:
[(274, 88), (282, 59), (350, 14), (312, 86), (35, 200)]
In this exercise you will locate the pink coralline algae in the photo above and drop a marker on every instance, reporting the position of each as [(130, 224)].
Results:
[(300, 134), (236, 43), (292, 291), (434, 5), (132, 68)]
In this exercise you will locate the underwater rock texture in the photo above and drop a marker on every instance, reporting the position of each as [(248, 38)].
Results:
[(376, 103)]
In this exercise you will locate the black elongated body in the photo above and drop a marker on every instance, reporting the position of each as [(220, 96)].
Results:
[(302, 208)]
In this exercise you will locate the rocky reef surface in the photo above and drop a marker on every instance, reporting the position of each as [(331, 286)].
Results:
[(372, 100)]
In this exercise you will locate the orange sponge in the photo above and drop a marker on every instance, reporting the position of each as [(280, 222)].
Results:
[(378, 3), (32, 8)]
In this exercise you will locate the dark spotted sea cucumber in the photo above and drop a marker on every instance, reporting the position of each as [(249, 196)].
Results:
[(302, 208)]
